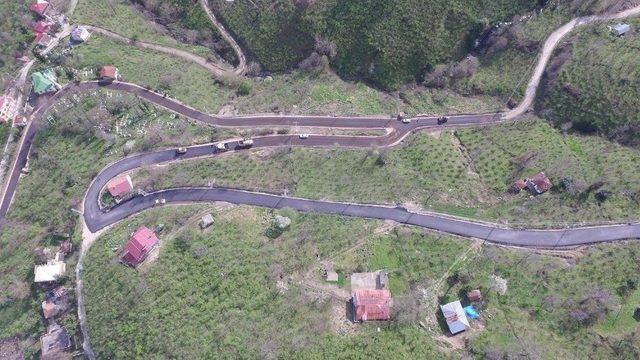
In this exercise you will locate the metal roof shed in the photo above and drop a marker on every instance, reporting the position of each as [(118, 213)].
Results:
[(455, 316), (621, 29)]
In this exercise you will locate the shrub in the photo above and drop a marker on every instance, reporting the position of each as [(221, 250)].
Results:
[(244, 89)]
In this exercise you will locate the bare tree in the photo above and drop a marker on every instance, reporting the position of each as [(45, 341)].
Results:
[(326, 47)]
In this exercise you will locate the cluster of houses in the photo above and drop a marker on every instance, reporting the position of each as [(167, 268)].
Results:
[(56, 341), (49, 21), (537, 185)]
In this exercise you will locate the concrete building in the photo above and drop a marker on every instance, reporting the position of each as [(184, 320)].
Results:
[(49, 272), (80, 34), (377, 280)]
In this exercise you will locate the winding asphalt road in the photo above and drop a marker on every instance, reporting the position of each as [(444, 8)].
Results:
[(97, 219)]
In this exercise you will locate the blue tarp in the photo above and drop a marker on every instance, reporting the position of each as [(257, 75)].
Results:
[(471, 312)]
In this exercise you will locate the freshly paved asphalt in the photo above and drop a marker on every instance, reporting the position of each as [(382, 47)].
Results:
[(97, 219), (400, 130)]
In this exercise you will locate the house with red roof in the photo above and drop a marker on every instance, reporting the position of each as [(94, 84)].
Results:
[(39, 7), (139, 245), (371, 304), (43, 40), (41, 27), (120, 186), (108, 73)]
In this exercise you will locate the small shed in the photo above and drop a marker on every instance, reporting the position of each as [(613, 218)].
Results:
[(371, 304), (539, 184), (330, 274), (139, 245), (455, 316), (49, 272), (120, 186), (108, 73), (474, 295), (283, 222), (206, 221), (621, 29), (518, 186)]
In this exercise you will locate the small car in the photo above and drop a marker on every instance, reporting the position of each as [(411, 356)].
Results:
[(222, 147), (406, 120), (245, 143), (181, 150), (303, 136), (160, 201), (442, 120)]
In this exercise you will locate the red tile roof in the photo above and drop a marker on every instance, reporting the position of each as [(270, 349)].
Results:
[(41, 27), (120, 186), (108, 72), (43, 39), (139, 246), (39, 7), (474, 295), (369, 304), (540, 183)]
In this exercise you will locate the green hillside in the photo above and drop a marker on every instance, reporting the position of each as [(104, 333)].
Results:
[(593, 84), (387, 42)]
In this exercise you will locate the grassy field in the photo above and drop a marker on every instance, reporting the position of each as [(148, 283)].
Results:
[(506, 72), (596, 87), (121, 17), (84, 135), (466, 174), (183, 80), (233, 292)]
